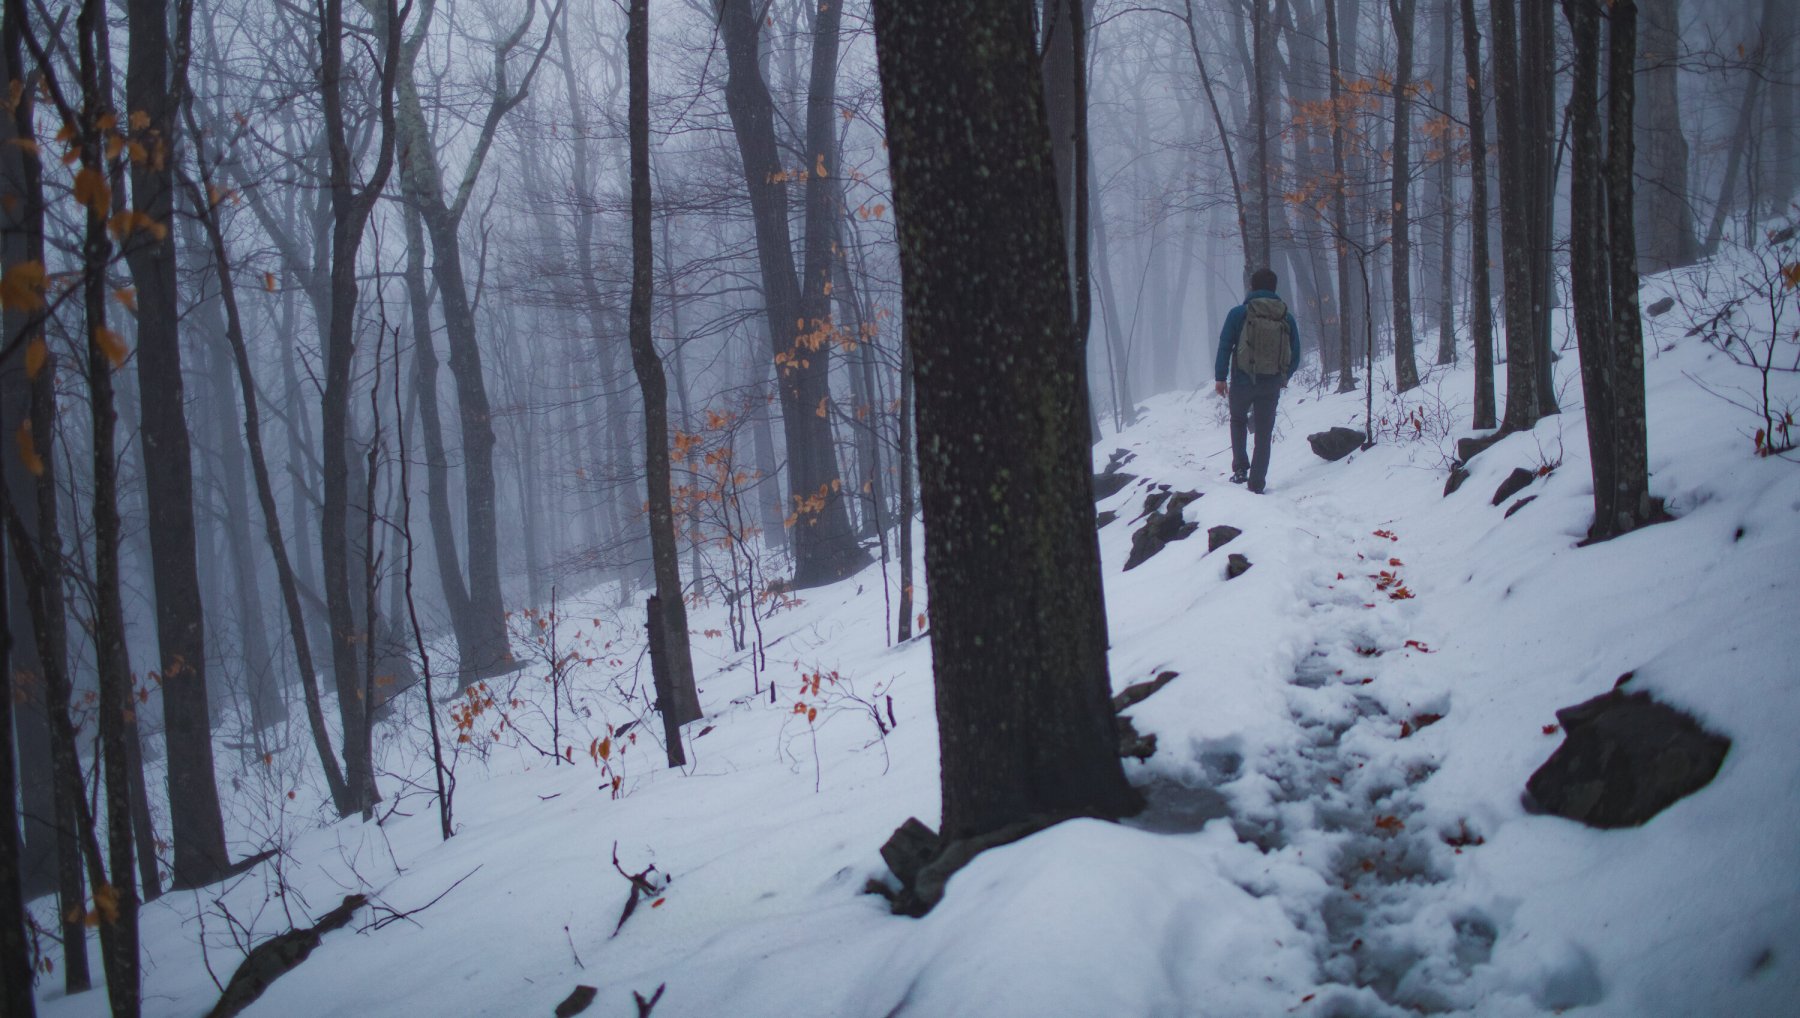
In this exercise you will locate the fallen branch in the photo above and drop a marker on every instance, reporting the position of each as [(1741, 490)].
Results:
[(641, 886), (275, 957)]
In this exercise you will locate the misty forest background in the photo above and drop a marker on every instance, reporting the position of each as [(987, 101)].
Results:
[(342, 340)]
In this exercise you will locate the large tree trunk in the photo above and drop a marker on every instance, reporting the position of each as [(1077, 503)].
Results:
[(1018, 628), (1588, 261), (1406, 370), (195, 820), (49, 772), (1603, 266), (1630, 502), (1537, 85), (824, 545), (15, 951), (1516, 210), (1481, 307)]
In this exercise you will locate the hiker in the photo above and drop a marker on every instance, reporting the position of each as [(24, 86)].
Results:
[(1260, 347)]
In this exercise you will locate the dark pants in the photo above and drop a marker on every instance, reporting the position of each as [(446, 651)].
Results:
[(1253, 397)]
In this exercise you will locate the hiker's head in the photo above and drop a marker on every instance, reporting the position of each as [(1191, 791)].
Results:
[(1263, 279)]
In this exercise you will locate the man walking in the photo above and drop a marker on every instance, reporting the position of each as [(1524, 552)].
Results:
[(1260, 348)]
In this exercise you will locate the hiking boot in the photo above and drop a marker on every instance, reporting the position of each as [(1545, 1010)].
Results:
[(1240, 476)]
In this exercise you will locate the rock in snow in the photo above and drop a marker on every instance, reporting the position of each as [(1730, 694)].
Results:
[(1336, 443), (1626, 758)]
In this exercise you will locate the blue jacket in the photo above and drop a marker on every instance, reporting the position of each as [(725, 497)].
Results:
[(1234, 327)]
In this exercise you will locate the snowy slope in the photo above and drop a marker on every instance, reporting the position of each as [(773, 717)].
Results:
[(1316, 843)]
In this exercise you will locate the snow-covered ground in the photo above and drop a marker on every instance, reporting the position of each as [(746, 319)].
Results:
[(1316, 844)]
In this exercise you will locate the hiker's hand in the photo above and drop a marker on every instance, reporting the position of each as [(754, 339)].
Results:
[(1219, 387)]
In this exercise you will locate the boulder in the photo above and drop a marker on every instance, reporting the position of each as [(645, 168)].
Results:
[(909, 849), (1335, 444), (1458, 474), (1162, 526), (1661, 307), (1468, 448), (1625, 758), (1515, 482), (1236, 565), (1102, 519), (1111, 483), (1219, 536), (1520, 504)]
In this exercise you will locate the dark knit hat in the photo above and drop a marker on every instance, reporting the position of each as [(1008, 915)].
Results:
[(1263, 279)]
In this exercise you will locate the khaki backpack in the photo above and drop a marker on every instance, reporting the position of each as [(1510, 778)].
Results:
[(1264, 347)]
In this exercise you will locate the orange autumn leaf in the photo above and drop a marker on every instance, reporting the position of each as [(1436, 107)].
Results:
[(28, 450), (112, 345), (92, 190), (37, 354), (106, 905), (128, 297), (22, 286), (122, 225)]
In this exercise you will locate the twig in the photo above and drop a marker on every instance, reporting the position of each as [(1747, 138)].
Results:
[(640, 886), (394, 916)]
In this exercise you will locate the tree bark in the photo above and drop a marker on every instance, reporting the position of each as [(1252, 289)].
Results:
[(15, 950), (1446, 197), (1340, 207), (195, 821), (1481, 306), (1406, 369), (1516, 197), (35, 607), (1631, 504), (680, 702), (1018, 628)]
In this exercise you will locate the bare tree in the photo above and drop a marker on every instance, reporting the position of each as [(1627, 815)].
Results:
[(1481, 305), (676, 684), (351, 205), (824, 545)]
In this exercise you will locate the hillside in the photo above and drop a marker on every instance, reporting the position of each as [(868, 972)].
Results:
[(1335, 825)]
